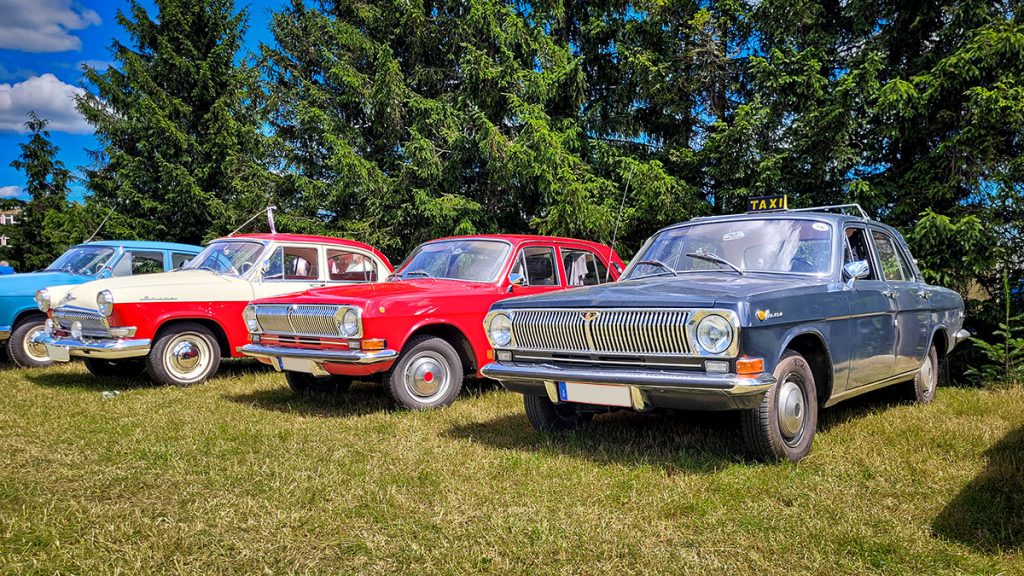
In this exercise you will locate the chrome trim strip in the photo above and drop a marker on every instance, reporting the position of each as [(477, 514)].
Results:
[(103, 349), (688, 363), (318, 355), (847, 394), (960, 336)]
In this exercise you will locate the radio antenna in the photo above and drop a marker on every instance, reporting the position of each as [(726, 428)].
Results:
[(270, 219), (615, 233), (100, 227)]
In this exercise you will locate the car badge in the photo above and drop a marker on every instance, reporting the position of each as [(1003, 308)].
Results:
[(590, 315), (767, 314)]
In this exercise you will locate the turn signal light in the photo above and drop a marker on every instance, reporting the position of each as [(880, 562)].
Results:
[(747, 365), (490, 354), (374, 344)]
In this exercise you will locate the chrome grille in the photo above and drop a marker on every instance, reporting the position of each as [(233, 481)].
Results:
[(617, 331), (93, 324), (299, 319)]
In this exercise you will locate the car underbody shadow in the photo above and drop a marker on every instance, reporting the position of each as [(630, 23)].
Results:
[(860, 406), (86, 381), (361, 399), (988, 513), (700, 442)]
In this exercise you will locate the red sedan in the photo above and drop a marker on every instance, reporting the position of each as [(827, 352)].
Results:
[(423, 329)]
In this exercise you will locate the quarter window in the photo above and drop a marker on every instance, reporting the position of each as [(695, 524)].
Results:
[(538, 263), (893, 267), (345, 266), (583, 268)]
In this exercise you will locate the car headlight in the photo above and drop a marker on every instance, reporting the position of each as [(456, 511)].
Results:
[(43, 299), (349, 325), (105, 303), (252, 324), (500, 330), (714, 334)]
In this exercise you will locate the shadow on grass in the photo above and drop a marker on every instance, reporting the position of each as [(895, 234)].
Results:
[(988, 514), (86, 381), (701, 442), (860, 406), (363, 398)]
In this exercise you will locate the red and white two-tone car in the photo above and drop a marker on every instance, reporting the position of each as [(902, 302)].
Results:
[(423, 329), (177, 325)]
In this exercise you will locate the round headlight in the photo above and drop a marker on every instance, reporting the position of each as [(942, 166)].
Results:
[(500, 330), (714, 334), (252, 324), (349, 323), (43, 299), (105, 303), (76, 330)]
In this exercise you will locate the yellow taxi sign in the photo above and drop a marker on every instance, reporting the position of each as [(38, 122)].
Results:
[(766, 203)]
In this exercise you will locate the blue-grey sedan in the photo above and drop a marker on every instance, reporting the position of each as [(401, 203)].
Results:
[(774, 314)]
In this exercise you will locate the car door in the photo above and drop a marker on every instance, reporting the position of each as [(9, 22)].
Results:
[(872, 316), (911, 297), (289, 268), (537, 266)]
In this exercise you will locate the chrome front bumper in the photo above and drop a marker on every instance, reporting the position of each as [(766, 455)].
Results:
[(677, 389), (960, 336), (316, 355), (102, 349), (5, 332)]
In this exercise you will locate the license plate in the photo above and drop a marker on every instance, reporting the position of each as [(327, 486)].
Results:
[(296, 365), (601, 394), (58, 353)]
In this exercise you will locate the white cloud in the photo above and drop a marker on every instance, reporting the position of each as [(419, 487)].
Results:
[(48, 97), (10, 191), (43, 25)]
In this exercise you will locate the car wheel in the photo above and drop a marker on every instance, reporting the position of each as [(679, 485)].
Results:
[(114, 368), (302, 383), (922, 388), (783, 426), (546, 416), (184, 354), (21, 349), (428, 374)]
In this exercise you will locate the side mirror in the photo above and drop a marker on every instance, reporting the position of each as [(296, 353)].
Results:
[(517, 279), (105, 273), (857, 270)]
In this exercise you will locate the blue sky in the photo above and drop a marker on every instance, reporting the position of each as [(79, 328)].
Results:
[(43, 44)]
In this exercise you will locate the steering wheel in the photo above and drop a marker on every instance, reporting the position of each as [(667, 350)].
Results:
[(246, 266), (801, 264)]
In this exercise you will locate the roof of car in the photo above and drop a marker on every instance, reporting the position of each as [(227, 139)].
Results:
[(145, 244), (312, 238), (522, 238), (838, 219)]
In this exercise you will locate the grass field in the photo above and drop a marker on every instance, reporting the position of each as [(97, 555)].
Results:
[(237, 476)]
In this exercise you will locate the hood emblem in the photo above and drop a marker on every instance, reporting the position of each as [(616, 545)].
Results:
[(767, 314), (590, 315)]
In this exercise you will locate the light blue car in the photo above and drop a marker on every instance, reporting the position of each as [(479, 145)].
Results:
[(20, 318)]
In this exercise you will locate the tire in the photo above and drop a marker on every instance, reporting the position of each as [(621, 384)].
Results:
[(921, 390), (783, 426), (546, 416), (114, 368), (184, 354), (302, 383), (22, 351), (427, 375)]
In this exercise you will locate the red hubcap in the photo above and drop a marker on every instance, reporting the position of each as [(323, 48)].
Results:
[(428, 377)]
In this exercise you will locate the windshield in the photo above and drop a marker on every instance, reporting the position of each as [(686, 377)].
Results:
[(230, 257), (473, 260), (85, 260), (777, 246)]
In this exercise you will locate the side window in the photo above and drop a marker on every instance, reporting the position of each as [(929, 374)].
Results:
[(539, 263), (858, 248), (179, 259), (345, 266), (583, 268), (133, 263), (293, 263), (893, 267)]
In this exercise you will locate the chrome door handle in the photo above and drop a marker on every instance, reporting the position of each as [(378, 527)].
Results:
[(889, 293), (924, 294)]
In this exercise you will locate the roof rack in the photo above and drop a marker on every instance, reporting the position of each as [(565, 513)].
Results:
[(857, 207)]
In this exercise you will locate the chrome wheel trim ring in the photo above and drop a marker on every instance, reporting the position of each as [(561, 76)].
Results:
[(187, 357), (791, 408), (427, 376), (928, 376), (37, 352)]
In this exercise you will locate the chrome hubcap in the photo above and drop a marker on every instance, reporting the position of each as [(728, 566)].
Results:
[(187, 357), (791, 409), (428, 376), (35, 351), (928, 375)]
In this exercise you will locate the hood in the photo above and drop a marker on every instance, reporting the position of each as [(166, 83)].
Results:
[(29, 283), (689, 290), (359, 294), (164, 285)]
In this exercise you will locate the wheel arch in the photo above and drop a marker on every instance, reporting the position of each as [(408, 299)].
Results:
[(25, 314), (218, 331), (811, 344), (940, 338), (454, 336)]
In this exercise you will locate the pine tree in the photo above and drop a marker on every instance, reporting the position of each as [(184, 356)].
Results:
[(47, 185), (183, 154)]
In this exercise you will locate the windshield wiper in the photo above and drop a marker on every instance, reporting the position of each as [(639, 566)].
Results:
[(418, 273), (659, 264), (715, 258), (210, 268)]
